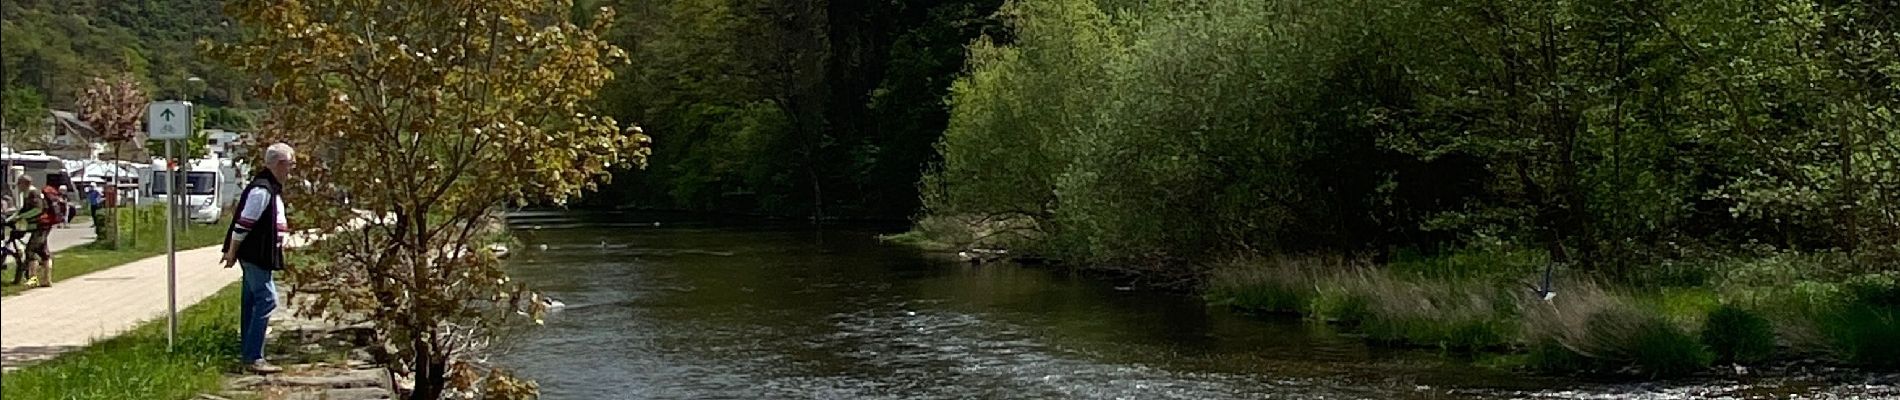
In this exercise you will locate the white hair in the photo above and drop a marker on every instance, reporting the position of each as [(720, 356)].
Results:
[(277, 152)]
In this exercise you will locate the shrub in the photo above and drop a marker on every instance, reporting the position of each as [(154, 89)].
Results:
[(1736, 335)]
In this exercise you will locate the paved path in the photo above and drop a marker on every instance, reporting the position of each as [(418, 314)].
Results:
[(64, 238), (38, 324)]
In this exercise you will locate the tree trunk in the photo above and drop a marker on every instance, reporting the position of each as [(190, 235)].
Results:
[(431, 378), (1850, 221)]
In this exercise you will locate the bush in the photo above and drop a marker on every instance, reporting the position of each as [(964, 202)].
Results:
[(1736, 335)]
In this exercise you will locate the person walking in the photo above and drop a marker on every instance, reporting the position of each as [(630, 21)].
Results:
[(94, 199), (256, 240)]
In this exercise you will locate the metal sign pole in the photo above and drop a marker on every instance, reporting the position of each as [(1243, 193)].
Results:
[(171, 249)]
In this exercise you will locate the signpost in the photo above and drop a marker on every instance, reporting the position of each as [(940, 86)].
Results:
[(170, 121)]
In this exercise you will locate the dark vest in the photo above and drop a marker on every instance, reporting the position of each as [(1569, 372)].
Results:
[(261, 245)]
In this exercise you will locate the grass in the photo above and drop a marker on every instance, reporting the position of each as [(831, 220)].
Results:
[(1738, 336), (1742, 311), (147, 241), (136, 365), (1388, 307)]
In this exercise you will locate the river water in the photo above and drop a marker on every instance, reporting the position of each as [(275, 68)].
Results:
[(687, 310)]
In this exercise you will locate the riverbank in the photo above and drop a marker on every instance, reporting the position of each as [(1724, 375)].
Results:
[(1732, 314), (1741, 313)]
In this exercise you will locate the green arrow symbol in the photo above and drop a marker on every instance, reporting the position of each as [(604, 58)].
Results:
[(167, 114)]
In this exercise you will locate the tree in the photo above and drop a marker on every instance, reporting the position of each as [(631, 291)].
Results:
[(422, 119), (24, 119), (116, 109)]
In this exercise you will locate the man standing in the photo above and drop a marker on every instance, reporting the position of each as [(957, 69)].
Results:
[(256, 240), (33, 217)]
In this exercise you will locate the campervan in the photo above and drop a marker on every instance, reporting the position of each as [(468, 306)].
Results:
[(202, 184), (44, 169)]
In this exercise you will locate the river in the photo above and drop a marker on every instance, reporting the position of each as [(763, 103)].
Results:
[(694, 310)]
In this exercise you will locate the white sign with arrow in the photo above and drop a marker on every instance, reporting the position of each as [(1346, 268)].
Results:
[(168, 120)]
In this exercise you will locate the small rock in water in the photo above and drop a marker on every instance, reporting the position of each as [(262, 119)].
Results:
[(656, 223), (543, 246)]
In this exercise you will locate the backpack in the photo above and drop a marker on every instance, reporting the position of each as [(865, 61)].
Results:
[(54, 206)]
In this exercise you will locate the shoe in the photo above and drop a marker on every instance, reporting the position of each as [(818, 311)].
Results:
[(262, 367), (33, 282)]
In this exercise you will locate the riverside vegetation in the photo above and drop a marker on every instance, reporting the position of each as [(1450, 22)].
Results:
[(1703, 181)]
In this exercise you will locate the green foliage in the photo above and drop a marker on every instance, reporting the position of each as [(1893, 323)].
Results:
[(1483, 261), (787, 108), (1604, 134), (494, 113), (23, 116), (55, 46), (1736, 335)]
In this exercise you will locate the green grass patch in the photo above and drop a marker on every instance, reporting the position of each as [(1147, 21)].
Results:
[(1864, 334), (147, 240), (135, 365), (1736, 335), (1397, 309), (1743, 311)]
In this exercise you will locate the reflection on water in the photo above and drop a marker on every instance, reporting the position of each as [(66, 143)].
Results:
[(689, 310)]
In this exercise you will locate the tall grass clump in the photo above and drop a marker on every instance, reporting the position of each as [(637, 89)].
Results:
[(1736, 335), (1388, 308), (1276, 285), (1603, 331), (136, 365), (1446, 314), (1864, 326)]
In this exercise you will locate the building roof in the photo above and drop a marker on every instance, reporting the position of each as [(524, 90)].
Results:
[(67, 122)]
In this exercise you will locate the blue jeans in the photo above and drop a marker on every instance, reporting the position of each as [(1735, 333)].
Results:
[(259, 300)]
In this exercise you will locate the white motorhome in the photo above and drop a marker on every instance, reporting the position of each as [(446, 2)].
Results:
[(42, 168), (203, 184)]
